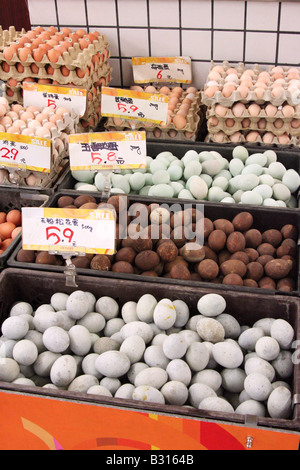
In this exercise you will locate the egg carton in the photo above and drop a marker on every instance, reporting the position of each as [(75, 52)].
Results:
[(292, 98), (9, 35), (240, 137), (73, 58), (261, 126)]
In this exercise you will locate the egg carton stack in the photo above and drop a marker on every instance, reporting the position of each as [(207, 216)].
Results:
[(49, 56), (184, 120), (252, 105), (45, 123)]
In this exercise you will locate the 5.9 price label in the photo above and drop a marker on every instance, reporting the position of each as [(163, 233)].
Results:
[(107, 150), (69, 230)]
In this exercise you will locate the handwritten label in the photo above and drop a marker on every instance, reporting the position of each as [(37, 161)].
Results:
[(137, 105), (162, 69), (108, 150), (69, 230), (25, 152), (71, 98)]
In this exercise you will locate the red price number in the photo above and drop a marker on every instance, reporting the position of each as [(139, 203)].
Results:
[(97, 158), (126, 109), (52, 103), (11, 154), (159, 75), (58, 235)]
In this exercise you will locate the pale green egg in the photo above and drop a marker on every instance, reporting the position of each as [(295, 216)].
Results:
[(100, 181), (291, 179), (208, 179), (254, 169), (221, 182), (84, 176), (161, 190), (240, 152), (185, 194), (190, 155), (281, 192), (177, 187), (271, 156), (257, 158), (161, 177), (157, 165), (264, 190), (277, 170), (215, 194), (137, 181), (145, 191), (120, 181), (236, 166), (175, 172), (251, 198), (193, 168), (198, 188)]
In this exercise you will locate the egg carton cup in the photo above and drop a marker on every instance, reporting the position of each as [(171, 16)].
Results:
[(8, 36), (238, 126), (211, 138), (74, 57)]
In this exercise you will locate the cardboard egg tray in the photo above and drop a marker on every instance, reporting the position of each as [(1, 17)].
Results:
[(291, 98), (265, 126), (75, 57), (241, 137)]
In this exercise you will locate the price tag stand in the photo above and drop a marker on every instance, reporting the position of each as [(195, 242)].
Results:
[(70, 270)]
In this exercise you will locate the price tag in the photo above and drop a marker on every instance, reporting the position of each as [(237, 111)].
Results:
[(108, 150), (137, 105), (162, 69), (69, 230), (25, 152), (71, 98)]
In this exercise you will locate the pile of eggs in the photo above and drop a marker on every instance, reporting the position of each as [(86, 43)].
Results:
[(48, 44), (183, 107), (255, 179), (253, 106), (10, 228), (151, 351), (48, 123)]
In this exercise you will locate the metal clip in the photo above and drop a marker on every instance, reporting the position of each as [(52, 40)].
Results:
[(107, 184), (249, 442)]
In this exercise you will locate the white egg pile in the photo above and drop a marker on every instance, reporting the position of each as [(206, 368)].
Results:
[(151, 351), (252, 105), (255, 179), (184, 115), (47, 123)]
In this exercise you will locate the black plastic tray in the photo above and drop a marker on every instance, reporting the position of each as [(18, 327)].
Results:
[(290, 158), (37, 288), (16, 199), (263, 219)]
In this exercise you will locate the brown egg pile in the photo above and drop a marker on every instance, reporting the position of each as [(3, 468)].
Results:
[(253, 105), (183, 119), (48, 123), (53, 57), (10, 227)]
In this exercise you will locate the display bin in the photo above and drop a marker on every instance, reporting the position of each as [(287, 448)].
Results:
[(16, 199), (264, 219), (289, 157), (44, 418)]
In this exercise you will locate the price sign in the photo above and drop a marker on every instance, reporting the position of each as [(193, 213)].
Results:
[(107, 150), (71, 98), (137, 105), (162, 69), (69, 230), (25, 152)]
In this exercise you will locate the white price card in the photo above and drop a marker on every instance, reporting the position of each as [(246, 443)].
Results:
[(69, 230), (108, 150), (25, 152), (137, 105), (39, 95), (162, 69)]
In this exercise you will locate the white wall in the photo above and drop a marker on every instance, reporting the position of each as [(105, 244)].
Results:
[(264, 32)]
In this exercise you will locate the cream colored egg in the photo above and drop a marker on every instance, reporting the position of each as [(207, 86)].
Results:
[(254, 110)]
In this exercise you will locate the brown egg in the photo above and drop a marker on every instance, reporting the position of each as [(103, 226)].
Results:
[(271, 110), (218, 68), (84, 43), (27, 115), (228, 89), (9, 51), (15, 217), (278, 123), (279, 81), (13, 130), (211, 91), (24, 54), (5, 120), (278, 76), (5, 244), (236, 137), (254, 110), (19, 124), (54, 55), (293, 74), (2, 110), (213, 121), (39, 53), (264, 77), (6, 230), (52, 42), (221, 110), (216, 76), (262, 124), (268, 138), (277, 91), (80, 32), (230, 122), (259, 91), (246, 123), (2, 217), (283, 139), (220, 137), (6, 67), (288, 111), (179, 122), (238, 109), (231, 70), (253, 136), (295, 123), (243, 90)]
